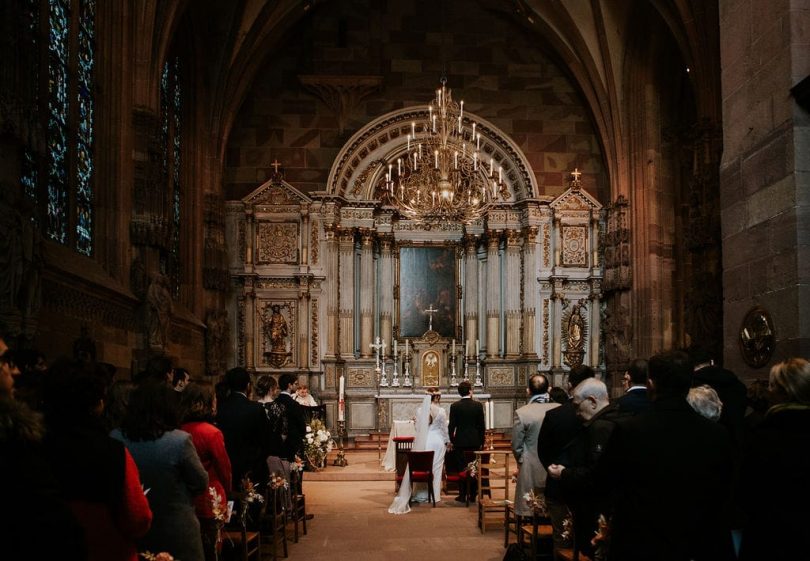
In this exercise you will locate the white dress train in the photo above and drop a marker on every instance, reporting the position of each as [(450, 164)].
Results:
[(400, 504), (437, 440)]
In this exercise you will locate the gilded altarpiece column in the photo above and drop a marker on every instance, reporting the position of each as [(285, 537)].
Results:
[(332, 300), (512, 293), (493, 293), (346, 307)]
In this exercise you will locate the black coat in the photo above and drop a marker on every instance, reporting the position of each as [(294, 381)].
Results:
[(669, 471), (244, 425), (466, 427), (287, 427), (775, 469), (560, 427), (634, 402)]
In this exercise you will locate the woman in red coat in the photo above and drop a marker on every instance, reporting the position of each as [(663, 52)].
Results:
[(199, 405)]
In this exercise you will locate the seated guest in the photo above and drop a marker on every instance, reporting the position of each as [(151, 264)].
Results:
[(303, 398), (704, 400), (777, 458), (97, 475), (634, 380), (669, 472), (170, 469), (199, 404)]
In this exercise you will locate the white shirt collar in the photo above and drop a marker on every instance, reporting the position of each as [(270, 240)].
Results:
[(631, 388)]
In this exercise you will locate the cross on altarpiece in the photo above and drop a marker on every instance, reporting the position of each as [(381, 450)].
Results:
[(430, 311), (276, 164), (576, 174), (378, 347)]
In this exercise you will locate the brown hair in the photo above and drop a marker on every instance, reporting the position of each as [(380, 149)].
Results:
[(793, 376)]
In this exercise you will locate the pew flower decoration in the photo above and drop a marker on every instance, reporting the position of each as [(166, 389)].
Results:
[(568, 529), (220, 513), (278, 481), (537, 503), (297, 465), (251, 492), (472, 468), (601, 539), (163, 556), (317, 444)]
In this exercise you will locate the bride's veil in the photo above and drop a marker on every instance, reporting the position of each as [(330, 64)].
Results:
[(400, 504)]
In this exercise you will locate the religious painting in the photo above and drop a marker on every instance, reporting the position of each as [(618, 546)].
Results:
[(427, 281)]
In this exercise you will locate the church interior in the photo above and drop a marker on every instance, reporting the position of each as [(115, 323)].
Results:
[(380, 197)]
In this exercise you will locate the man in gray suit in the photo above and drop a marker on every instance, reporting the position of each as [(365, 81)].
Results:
[(528, 420)]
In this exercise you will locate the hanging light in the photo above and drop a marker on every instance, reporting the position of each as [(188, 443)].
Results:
[(442, 174)]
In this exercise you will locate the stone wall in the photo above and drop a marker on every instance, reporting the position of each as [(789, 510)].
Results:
[(501, 72), (764, 181)]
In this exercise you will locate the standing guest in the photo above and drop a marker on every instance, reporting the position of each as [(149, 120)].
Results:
[(669, 471), (158, 368), (97, 474), (303, 397), (199, 406), (758, 401), (558, 395), (266, 390), (170, 469), (559, 428), (635, 399), (244, 424), (528, 420), (467, 430), (117, 402), (287, 423), (731, 391), (33, 504), (777, 459), (705, 401), (180, 379)]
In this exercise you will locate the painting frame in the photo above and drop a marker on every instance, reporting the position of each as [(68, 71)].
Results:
[(427, 277)]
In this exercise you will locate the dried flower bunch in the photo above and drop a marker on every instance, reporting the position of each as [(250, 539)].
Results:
[(537, 503)]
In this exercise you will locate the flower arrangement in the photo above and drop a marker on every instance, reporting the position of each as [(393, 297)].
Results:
[(278, 481), (317, 444), (537, 503), (298, 465), (601, 540), (163, 556), (251, 492), (220, 513), (472, 468)]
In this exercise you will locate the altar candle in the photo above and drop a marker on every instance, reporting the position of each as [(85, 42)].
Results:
[(454, 347), (491, 407), (341, 403), (406, 348), (395, 349), (486, 416), (477, 348), (466, 348)]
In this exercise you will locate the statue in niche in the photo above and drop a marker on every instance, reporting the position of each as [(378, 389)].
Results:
[(576, 326), (276, 329), (159, 311)]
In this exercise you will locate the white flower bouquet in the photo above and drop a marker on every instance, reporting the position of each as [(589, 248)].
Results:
[(317, 444)]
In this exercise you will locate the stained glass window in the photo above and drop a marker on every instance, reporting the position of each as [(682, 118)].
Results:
[(65, 30), (171, 105)]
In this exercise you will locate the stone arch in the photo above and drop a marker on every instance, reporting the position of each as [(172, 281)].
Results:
[(363, 158)]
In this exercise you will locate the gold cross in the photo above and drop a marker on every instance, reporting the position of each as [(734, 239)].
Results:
[(275, 165), (575, 174)]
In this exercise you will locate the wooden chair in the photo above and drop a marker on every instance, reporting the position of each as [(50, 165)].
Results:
[(532, 533), (403, 446), (298, 510), (459, 476), (420, 470), (273, 525), (238, 543), (494, 478)]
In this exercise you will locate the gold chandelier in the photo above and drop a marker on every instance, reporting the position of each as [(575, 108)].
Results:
[(443, 176)]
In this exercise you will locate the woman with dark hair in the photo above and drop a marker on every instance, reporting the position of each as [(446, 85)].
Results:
[(170, 469), (199, 405), (97, 475), (117, 402)]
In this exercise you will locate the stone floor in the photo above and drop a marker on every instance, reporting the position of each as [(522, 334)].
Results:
[(352, 523)]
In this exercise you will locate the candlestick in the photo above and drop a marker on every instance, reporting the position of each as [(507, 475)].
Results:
[(466, 349), (454, 347), (395, 349), (341, 400), (477, 348)]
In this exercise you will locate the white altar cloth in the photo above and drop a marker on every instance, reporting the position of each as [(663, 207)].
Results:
[(399, 428)]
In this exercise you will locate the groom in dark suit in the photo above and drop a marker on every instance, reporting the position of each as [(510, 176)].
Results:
[(466, 429)]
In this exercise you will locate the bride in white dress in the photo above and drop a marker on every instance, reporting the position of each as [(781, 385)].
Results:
[(431, 434)]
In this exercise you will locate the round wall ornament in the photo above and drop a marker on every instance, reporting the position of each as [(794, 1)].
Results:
[(757, 337)]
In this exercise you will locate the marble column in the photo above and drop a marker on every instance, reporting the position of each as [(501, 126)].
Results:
[(386, 288), (471, 292), (512, 290), (493, 293), (529, 290), (346, 304), (594, 329), (555, 323), (251, 337), (332, 285), (366, 292)]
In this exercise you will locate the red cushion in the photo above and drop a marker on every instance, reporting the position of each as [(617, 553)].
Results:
[(422, 474), (403, 438), (457, 476)]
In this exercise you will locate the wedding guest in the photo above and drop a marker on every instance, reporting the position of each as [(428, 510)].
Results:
[(467, 430), (635, 399), (117, 402), (96, 474), (170, 469), (732, 392), (180, 379), (303, 397), (558, 395), (266, 390), (33, 504), (704, 400), (199, 406), (758, 402), (287, 423), (778, 455)]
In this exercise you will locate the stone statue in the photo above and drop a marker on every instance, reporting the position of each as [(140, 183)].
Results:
[(159, 311)]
